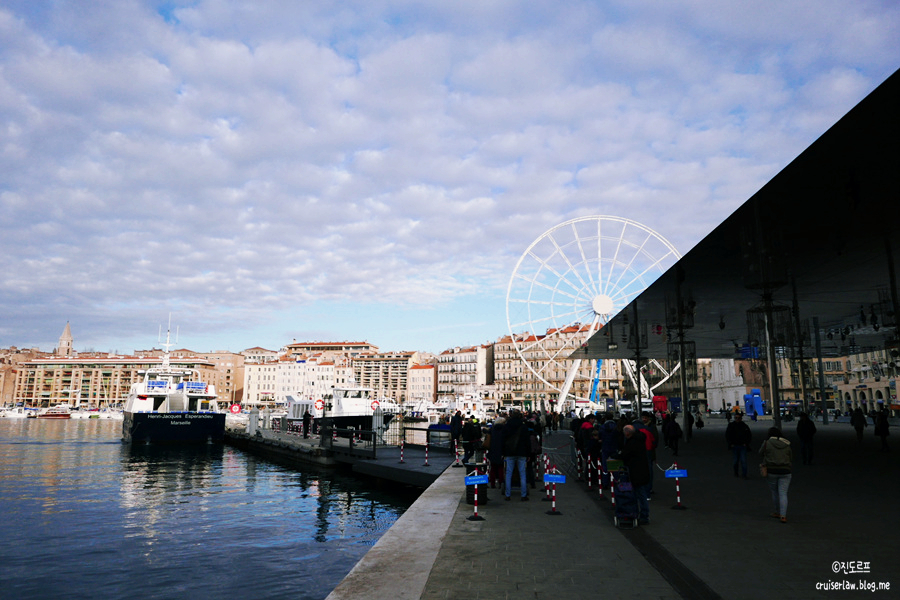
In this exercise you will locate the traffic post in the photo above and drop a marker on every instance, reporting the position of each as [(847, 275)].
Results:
[(554, 478), (476, 480), (676, 474)]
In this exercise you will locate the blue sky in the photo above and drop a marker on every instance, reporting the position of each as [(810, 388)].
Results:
[(282, 170)]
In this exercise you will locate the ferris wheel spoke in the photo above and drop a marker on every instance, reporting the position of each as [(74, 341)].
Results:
[(639, 277), (565, 257), (541, 284), (612, 264), (585, 262), (562, 278), (554, 317)]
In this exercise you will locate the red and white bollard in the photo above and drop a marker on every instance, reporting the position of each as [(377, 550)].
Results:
[(401, 452), (546, 497), (456, 453), (580, 465), (553, 511), (590, 471), (475, 517), (678, 505), (612, 488), (426, 455), (600, 474)]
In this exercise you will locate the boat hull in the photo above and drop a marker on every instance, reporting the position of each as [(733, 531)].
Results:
[(173, 428), (358, 422)]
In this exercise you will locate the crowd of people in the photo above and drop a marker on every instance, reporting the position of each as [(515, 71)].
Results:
[(512, 445)]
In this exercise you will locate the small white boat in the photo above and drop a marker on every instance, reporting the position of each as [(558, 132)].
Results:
[(80, 413), (16, 412)]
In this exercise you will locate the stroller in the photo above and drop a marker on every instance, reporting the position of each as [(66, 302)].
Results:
[(626, 516)]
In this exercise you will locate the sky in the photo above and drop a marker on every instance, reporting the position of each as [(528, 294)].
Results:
[(270, 171)]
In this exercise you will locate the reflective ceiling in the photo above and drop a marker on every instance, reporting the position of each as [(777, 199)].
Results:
[(820, 240)]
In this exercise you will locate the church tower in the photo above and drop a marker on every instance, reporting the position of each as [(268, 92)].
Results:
[(65, 342)]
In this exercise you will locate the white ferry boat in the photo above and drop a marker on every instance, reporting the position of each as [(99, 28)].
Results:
[(348, 408), (169, 405)]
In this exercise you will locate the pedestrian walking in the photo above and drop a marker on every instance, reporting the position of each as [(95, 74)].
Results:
[(516, 448), (881, 430), (470, 435), (858, 421), (738, 437), (777, 457), (806, 430), (307, 421), (495, 452), (634, 457)]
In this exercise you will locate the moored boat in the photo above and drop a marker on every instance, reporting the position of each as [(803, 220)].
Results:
[(170, 405), (348, 408), (17, 412), (60, 411)]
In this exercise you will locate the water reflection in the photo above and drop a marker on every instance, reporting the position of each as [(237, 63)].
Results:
[(202, 521)]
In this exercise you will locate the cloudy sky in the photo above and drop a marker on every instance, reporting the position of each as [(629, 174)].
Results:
[(373, 170)]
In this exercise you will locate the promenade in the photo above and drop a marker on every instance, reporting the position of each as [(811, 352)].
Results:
[(841, 530)]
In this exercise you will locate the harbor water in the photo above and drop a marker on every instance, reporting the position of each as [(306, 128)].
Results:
[(83, 515)]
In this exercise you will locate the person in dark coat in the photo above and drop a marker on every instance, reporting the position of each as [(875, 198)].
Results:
[(495, 453), (456, 425), (516, 448), (307, 421), (634, 456), (471, 433), (738, 437), (806, 429), (858, 421), (673, 433)]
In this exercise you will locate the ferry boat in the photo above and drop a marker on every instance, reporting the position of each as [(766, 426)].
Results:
[(348, 408), (170, 405)]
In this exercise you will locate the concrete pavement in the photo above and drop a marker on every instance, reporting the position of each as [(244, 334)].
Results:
[(841, 531)]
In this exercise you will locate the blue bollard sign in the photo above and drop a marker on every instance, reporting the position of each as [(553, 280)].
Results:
[(672, 473), (551, 478), (476, 479)]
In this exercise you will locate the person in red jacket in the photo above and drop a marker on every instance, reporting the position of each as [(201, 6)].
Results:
[(634, 455)]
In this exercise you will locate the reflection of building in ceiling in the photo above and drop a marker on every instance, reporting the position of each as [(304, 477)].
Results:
[(805, 269)]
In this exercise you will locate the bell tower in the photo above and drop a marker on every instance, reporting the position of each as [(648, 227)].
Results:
[(65, 342)]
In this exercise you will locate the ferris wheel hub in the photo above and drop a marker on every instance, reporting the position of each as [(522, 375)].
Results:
[(602, 304)]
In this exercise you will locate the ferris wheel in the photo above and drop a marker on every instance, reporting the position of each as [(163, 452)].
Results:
[(569, 282)]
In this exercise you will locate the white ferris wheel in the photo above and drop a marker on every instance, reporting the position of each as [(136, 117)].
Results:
[(568, 283)]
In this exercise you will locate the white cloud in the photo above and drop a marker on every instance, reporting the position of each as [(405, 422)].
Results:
[(236, 161)]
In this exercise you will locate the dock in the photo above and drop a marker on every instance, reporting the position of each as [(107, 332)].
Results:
[(381, 461)]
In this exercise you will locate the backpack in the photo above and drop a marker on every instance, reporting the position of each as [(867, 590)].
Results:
[(511, 442)]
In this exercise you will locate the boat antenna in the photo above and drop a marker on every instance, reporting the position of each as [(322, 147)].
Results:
[(168, 345)]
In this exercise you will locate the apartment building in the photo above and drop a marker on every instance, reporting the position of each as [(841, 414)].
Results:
[(466, 370), (260, 355), (422, 384), (330, 349), (91, 381), (387, 373)]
